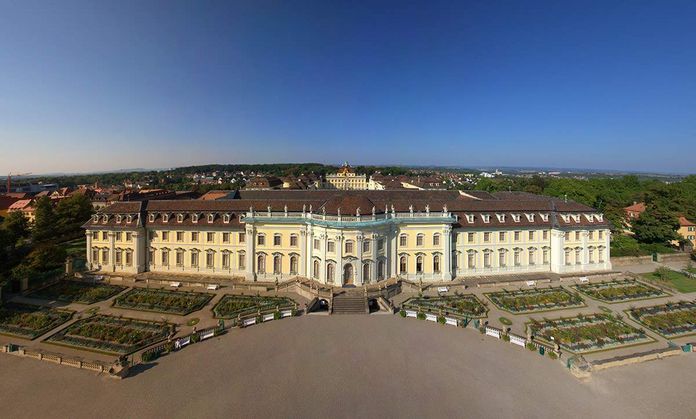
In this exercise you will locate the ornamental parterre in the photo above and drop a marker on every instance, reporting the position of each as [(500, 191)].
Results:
[(233, 306), (112, 335), (29, 321), (535, 300), (588, 333), (620, 291), (77, 292), (163, 301), (670, 320), (466, 305)]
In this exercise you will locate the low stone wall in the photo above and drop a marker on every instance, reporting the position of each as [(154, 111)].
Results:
[(630, 260), (57, 359), (674, 257), (635, 358)]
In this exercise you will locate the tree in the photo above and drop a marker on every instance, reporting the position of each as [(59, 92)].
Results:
[(44, 221), (656, 225), (16, 227), (72, 212)]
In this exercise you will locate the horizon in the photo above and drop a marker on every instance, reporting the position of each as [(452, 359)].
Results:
[(90, 88)]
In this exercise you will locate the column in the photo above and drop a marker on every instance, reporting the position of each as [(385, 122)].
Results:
[(137, 248), (322, 265), (373, 269), (250, 273), (112, 249), (359, 274), (447, 257), (338, 279), (302, 263), (393, 253), (585, 252), (88, 235), (557, 244)]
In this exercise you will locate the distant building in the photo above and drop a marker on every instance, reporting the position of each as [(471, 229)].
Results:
[(260, 183), (26, 207), (687, 229), (5, 202), (346, 179), (634, 211)]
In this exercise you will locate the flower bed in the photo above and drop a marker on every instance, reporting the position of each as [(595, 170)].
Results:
[(112, 335), (28, 321), (620, 291), (232, 306), (466, 305), (535, 300), (77, 292), (670, 320), (163, 301), (590, 333)]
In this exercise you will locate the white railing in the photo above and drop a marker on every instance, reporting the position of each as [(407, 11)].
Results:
[(347, 218)]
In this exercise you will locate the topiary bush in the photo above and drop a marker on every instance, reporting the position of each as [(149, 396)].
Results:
[(420, 316), (402, 313), (531, 346), (276, 315), (506, 338), (552, 355), (441, 319)]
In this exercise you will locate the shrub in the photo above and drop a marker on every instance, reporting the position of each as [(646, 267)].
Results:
[(441, 319), (402, 313), (420, 316), (506, 337), (552, 354), (482, 329), (531, 346), (169, 347), (195, 338), (505, 321), (276, 315), (149, 356)]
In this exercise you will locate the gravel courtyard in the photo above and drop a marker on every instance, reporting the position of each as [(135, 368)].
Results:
[(349, 366)]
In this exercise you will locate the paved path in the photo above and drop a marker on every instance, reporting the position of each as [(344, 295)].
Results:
[(350, 366)]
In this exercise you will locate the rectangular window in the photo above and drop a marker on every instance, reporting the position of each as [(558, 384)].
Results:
[(194, 236), (316, 244), (194, 259), (165, 236), (531, 257), (105, 235), (225, 237), (517, 236), (402, 240), (129, 258), (210, 237), (470, 237), (501, 259), (567, 235), (119, 235), (471, 260), (117, 256), (331, 247), (577, 235), (209, 259), (366, 246), (591, 235), (179, 258), (293, 241), (276, 240), (242, 237), (600, 252), (600, 234), (531, 235), (545, 254), (501, 236), (95, 235), (349, 247), (179, 236), (486, 237), (165, 257), (436, 240), (419, 240), (261, 240), (129, 237), (517, 258), (545, 235), (487, 260), (380, 244), (226, 260)]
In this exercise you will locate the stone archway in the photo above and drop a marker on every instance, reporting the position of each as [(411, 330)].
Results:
[(348, 274)]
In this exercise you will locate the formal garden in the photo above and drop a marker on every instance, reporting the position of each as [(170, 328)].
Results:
[(535, 300), (77, 292), (111, 335), (30, 321), (587, 333), (233, 306), (163, 301), (670, 320), (463, 305), (672, 279), (619, 291)]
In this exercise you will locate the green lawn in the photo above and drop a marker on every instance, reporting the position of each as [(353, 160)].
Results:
[(75, 248), (676, 280)]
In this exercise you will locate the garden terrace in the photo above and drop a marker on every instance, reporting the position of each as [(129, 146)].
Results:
[(77, 292), (465, 305), (588, 333), (535, 300), (111, 335), (672, 279), (163, 301), (233, 306), (29, 321), (670, 320), (620, 291)]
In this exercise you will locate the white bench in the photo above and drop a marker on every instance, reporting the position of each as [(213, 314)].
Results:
[(175, 284), (213, 287), (584, 280), (249, 322), (442, 290), (531, 283)]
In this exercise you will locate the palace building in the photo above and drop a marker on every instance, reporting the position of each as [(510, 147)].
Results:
[(343, 237), (346, 179)]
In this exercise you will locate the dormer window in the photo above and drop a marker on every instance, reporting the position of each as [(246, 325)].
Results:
[(105, 218), (600, 217), (152, 218), (165, 218), (576, 218), (118, 218), (226, 218), (501, 218), (194, 218), (211, 218), (486, 218), (530, 217), (516, 217), (565, 218), (544, 217), (469, 218), (95, 218), (179, 218), (129, 218), (589, 217)]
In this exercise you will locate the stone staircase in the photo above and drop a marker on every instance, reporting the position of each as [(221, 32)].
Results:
[(350, 304)]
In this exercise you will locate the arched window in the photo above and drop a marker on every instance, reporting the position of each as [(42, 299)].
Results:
[(532, 255), (419, 239), (600, 253), (261, 264), (316, 269), (419, 264), (501, 258), (578, 255), (471, 259), (436, 263), (293, 265), (209, 259), (165, 257), (403, 266), (366, 272), (380, 270), (277, 264), (241, 262), (226, 259), (590, 254), (567, 256), (330, 268), (436, 239), (487, 258), (518, 256)]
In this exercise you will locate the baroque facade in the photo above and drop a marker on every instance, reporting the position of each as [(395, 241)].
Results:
[(350, 237)]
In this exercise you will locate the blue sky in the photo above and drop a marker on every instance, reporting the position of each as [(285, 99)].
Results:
[(96, 85)]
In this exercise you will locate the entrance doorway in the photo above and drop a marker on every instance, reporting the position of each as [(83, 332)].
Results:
[(348, 277)]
